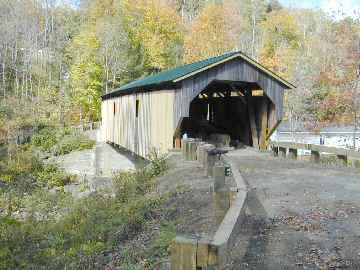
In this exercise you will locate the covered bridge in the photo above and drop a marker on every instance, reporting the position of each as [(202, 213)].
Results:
[(227, 94)]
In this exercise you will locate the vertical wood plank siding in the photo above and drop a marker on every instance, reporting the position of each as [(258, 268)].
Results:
[(153, 127), (234, 70), (160, 111)]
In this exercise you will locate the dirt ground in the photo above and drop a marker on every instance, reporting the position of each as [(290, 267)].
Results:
[(307, 217), (194, 207), (191, 206), (300, 215)]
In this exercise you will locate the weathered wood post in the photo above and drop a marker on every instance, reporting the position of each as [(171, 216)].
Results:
[(192, 253), (190, 150), (187, 148), (315, 156), (343, 159), (263, 123), (204, 153), (219, 177), (221, 195), (183, 147), (275, 151), (282, 152), (183, 253), (293, 153), (210, 162), (177, 143), (355, 163), (193, 149), (221, 199), (199, 150)]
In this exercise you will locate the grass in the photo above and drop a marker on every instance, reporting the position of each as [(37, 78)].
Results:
[(60, 141), (51, 230), (22, 165)]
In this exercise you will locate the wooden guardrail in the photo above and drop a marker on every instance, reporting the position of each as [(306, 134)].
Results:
[(189, 253), (88, 126), (290, 149)]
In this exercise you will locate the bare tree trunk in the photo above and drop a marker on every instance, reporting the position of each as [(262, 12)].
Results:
[(107, 72), (61, 97), (355, 129), (355, 108), (253, 15), (253, 37), (3, 79)]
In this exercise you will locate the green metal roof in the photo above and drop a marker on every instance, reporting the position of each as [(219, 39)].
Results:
[(178, 73), (173, 74)]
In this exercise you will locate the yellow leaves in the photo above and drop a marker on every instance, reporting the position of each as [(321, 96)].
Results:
[(86, 73), (100, 8), (209, 35), (281, 25), (156, 29), (281, 42)]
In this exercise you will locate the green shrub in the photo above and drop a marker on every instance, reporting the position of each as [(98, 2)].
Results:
[(45, 139), (23, 167), (132, 183), (52, 176), (60, 141), (158, 163), (71, 143), (60, 233), (20, 163)]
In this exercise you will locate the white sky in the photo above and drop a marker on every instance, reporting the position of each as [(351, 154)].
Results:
[(338, 8)]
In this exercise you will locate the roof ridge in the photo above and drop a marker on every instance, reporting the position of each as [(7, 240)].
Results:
[(194, 64), (171, 76)]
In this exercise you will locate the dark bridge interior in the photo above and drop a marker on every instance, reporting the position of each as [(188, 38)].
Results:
[(228, 107)]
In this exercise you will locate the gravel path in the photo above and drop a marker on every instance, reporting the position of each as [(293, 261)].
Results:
[(310, 217)]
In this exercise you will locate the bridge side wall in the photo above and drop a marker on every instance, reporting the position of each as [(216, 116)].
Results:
[(233, 70), (151, 127)]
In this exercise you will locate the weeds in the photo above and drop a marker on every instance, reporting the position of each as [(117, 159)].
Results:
[(51, 176), (158, 163), (60, 141), (57, 232)]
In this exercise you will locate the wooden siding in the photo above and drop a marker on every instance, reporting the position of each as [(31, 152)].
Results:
[(153, 127), (161, 111), (234, 70)]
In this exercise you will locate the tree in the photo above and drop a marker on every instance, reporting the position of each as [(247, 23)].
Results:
[(273, 5), (281, 42), (210, 34), (255, 13), (86, 75), (155, 34), (113, 51), (188, 9)]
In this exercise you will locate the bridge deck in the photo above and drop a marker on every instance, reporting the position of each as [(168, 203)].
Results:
[(312, 215)]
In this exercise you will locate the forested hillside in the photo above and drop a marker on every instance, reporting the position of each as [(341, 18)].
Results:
[(58, 58)]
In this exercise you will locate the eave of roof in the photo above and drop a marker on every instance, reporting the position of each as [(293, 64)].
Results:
[(177, 74)]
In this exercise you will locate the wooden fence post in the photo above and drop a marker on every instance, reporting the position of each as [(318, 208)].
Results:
[(183, 254), (315, 156), (293, 153), (282, 152)]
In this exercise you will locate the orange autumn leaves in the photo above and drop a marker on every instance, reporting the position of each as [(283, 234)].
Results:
[(210, 34)]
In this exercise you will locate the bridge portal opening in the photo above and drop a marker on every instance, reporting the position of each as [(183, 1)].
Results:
[(238, 110)]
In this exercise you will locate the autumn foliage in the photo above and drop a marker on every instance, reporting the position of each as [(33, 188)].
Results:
[(59, 60)]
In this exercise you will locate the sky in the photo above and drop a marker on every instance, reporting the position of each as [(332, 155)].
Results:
[(338, 8)]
